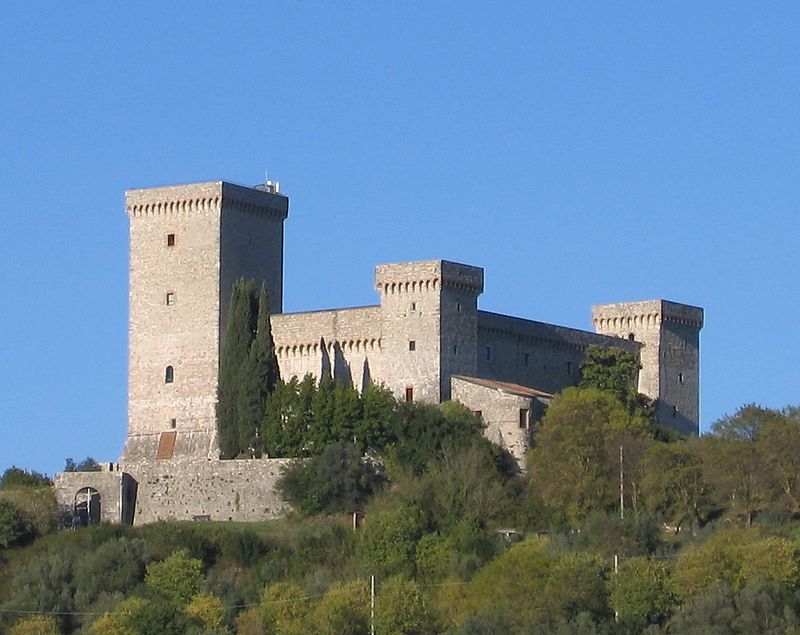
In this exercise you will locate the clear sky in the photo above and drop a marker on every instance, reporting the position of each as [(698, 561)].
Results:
[(582, 153)]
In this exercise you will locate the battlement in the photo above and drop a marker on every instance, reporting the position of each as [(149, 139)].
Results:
[(644, 314), (428, 275), (182, 199)]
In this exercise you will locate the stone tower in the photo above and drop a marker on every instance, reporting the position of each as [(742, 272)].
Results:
[(429, 325), (188, 244), (670, 355)]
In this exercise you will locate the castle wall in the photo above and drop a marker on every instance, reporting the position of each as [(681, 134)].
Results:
[(185, 488), (346, 342), (116, 490), (535, 354)]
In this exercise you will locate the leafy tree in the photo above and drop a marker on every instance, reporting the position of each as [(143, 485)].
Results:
[(87, 465), (574, 465), (206, 610), (388, 543), (675, 485), (402, 608), (140, 616), (552, 587), (284, 607), (15, 526), (287, 418), (778, 447), (337, 480), (178, 577), (344, 610), (116, 566), (36, 625), (379, 412), (642, 592), (45, 584), (615, 371), (17, 477)]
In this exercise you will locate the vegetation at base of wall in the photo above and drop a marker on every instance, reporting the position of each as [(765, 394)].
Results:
[(614, 529)]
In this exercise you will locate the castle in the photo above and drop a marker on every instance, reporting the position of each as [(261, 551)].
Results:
[(425, 340)]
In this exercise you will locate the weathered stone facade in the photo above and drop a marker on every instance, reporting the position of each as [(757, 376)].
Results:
[(426, 340)]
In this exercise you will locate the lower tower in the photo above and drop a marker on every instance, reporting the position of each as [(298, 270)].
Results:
[(670, 355)]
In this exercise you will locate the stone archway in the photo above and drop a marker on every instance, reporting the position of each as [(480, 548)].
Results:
[(86, 508)]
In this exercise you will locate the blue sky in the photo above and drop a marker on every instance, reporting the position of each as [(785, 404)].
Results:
[(582, 153)]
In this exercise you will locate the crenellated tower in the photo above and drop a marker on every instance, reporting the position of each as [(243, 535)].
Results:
[(188, 244), (670, 356), (429, 325)]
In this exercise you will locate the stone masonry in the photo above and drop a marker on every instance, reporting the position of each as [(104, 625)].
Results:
[(426, 340)]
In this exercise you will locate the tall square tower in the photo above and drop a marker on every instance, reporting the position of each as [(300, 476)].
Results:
[(188, 244)]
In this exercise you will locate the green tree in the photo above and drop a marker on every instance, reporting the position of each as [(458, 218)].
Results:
[(116, 566), (258, 377), (778, 448), (674, 484), (344, 610), (206, 611), (15, 526), (335, 481), (574, 465), (388, 542), (614, 371), (240, 331), (642, 592), (178, 577), (87, 465), (36, 625), (284, 607), (16, 477), (402, 609), (45, 584)]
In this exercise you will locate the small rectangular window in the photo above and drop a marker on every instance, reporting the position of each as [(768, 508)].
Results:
[(569, 368), (674, 412), (526, 358), (409, 394), (458, 307), (455, 349), (170, 240), (412, 345), (523, 417), (488, 353), (173, 423), (170, 298), (680, 378), (413, 306)]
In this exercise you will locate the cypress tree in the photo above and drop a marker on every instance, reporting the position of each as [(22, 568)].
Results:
[(239, 334), (258, 376)]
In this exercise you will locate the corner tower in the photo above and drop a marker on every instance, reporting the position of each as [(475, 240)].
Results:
[(188, 244), (670, 355)]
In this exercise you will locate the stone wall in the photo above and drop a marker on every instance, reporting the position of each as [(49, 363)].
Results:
[(500, 412), (345, 342), (116, 492), (187, 488), (535, 354)]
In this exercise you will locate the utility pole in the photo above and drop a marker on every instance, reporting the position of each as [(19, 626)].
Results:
[(621, 487), (372, 605)]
